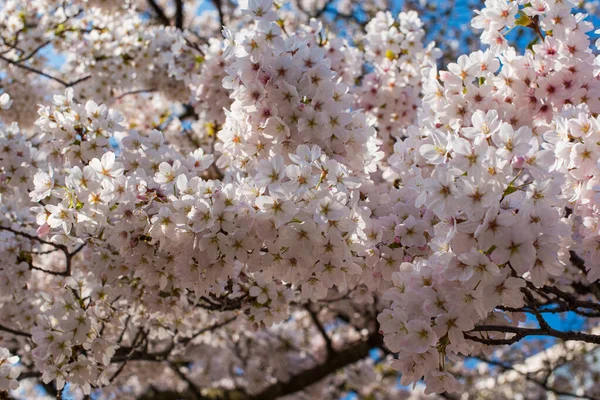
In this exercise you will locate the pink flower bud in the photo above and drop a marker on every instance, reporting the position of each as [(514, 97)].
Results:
[(517, 162), (43, 230)]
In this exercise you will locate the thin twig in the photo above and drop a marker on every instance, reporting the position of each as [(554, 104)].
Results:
[(14, 331), (322, 331), (42, 73)]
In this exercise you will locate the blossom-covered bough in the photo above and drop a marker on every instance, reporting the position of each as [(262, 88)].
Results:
[(241, 204)]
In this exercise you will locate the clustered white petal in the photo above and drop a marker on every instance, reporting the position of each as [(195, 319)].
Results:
[(314, 172)]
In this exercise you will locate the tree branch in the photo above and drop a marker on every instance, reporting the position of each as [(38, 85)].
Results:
[(322, 331), (527, 376), (160, 14), (521, 333), (68, 255), (179, 14), (219, 6), (135, 92), (14, 331), (304, 379), (42, 73), (568, 297), (192, 387), (31, 237), (211, 328)]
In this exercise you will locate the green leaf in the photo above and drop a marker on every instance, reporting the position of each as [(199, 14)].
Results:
[(533, 42), (25, 256), (522, 20), (490, 250), (509, 190), (59, 29)]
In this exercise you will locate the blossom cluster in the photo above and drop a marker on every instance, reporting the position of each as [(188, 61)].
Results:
[(502, 171), (8, 372), (392, 91), (240, 210)]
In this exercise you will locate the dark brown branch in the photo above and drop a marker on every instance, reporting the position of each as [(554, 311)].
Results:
[(288, 345), (29, 375), (118, 371), (532, 304), (31, 237), (197, 48), (304, 379), (494, 342), (160, 14), (42, 73), (340, 359), (521, 333), (14, 331), (68, 255), (135, 92), (321, 10), (594, 287), (34, 51), (41, 253), (321, 329), (219, 6), (543, 384), (568, 297), (77, 250), (47, 271), (191, 386), (561, 308), (220, 304), (124, 354), (208, 329), (179, 14), (448, 396)]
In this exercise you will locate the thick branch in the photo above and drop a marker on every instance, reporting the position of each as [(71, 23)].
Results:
[(350, 355), (179, 14), (304, 379), (160, 14), (192, 387)]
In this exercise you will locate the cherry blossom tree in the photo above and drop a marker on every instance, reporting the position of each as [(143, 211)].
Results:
[(303, 200)]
